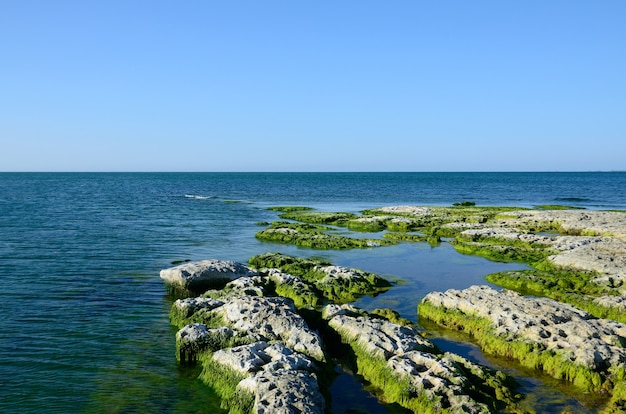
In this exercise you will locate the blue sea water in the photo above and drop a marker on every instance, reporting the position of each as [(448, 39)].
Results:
[(84, 316)]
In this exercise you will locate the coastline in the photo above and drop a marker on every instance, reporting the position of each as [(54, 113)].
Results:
[(551, 241)]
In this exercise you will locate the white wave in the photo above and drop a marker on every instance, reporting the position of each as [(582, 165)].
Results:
[(198, 197)]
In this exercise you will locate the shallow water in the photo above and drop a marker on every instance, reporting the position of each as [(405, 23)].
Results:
[(85, 316)]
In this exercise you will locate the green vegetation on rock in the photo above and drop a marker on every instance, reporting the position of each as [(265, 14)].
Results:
[(501, 252), (317, 217), (313, 236), (490, 387), (297, 266), (574, 287), (286, 209), (339, 285), (225, 381), (526, 353)]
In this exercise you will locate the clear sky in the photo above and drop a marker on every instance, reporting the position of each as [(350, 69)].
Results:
[(201, 85)]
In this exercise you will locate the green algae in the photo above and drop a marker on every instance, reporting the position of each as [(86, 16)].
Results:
[(391, 316), (317, 217), (407, 237), (311, 271), (224, 381), (314, 237), (528, 354), (302, 297), (286, 209), (502, 252), (494, 389), (297, 266), (573, 287), (179, 317)]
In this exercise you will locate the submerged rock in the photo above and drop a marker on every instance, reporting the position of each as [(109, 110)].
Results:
[(202, 275)]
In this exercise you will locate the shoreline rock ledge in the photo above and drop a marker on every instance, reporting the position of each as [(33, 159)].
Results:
[(205, 274), (562, 340)]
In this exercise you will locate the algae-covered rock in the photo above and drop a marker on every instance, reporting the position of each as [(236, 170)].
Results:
[(289, 286), (196, 338), (599, 254), (260, 318), (558, 338), (336, 283), (183, 310), (409, 370), (202, 275), (314, 237), (279, 379)]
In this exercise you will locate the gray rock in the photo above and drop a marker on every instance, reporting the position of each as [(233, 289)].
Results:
[(202, 275), (379, 337), (284, 392), (247, 359), (441, 379), (552, 325), (600, 254), (509, 234), (281, 380), (184, 308), (272, 318)]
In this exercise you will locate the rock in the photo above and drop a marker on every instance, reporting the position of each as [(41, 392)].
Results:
[(202, 275), (246, 286), (183, 309), (284, 392), (195, 338), (441, 378), (281, 380), (601, 254), (272, 318), (510, 235), (246, 359), (378, 337), (260, 318), (549, 324), (587, 222), (436, 382), (410, 210)]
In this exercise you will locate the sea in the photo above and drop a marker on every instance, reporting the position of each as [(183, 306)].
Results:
[(84, 324)]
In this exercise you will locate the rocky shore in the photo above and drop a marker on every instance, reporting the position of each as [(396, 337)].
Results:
[(267, 333)]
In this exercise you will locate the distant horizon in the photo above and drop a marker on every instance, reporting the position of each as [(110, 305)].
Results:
[(311, 172)]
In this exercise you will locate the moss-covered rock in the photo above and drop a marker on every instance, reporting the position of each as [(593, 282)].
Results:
[(314, 237), (335, 283), (562, 341), (409, 370), (578, 288), (319, 217)]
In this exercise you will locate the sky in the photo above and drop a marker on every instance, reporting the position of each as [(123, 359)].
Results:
[(201, 85)]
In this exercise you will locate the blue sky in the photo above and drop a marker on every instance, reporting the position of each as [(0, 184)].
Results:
[(312, 86)]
